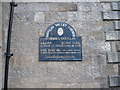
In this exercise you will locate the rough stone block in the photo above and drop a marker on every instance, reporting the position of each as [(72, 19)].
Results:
[(118, 46), (56, 16), (31, 7), (74, 16), (112, 35), (88, 6), (84, 16), (113, 57), (39, 17), (25, 39), (111, 15), (106, 7), (41, 7), (113, 46), (115, 6), (117, 25), (62, 7), (14, 82), (109, 69), (108, 26), (114, 80)]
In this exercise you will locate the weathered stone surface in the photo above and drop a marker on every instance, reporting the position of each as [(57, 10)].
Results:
[(117, 25), (39, 17), (112, 35), (88, 6), (31, 21), (113, 46), (40, 7), (53, 85), (0, 45), (56, 16), (106, 7), (111, 15), (105, 1), (26, 17), (109, 69), (62, 7), (114, 57), (107, 26), (84, 16), (118, 46), (26, 37), (114, 80), (115, 6), (15, 82)]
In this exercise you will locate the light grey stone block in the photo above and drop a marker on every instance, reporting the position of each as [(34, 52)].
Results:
[(113, 46), (112, 35), (84, 16), (62, 7), (114, 57), (41, 7), (111, 15), (118, 46), (106, 7), (39, 17), (88, 6), (117, 25), (114, 80), (55, 16), (115, 6), (108, 26)]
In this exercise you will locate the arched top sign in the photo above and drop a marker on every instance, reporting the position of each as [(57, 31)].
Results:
[(60, 43), (60, 29)]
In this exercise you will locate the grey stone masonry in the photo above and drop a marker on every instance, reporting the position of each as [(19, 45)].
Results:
[(118, 46), (111, 15), (31, 21), (115, 46), (117, 25), (114, 57), (0, 46), (115, 6), (41, 7), (114, 80), (112, 35)]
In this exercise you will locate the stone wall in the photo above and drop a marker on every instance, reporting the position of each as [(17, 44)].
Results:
[(0, 45), (113, 37), (31, 21)]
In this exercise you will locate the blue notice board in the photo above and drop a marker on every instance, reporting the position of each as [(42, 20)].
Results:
[(60, 44)]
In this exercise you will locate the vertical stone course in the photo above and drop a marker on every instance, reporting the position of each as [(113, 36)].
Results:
[(113, 37)]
